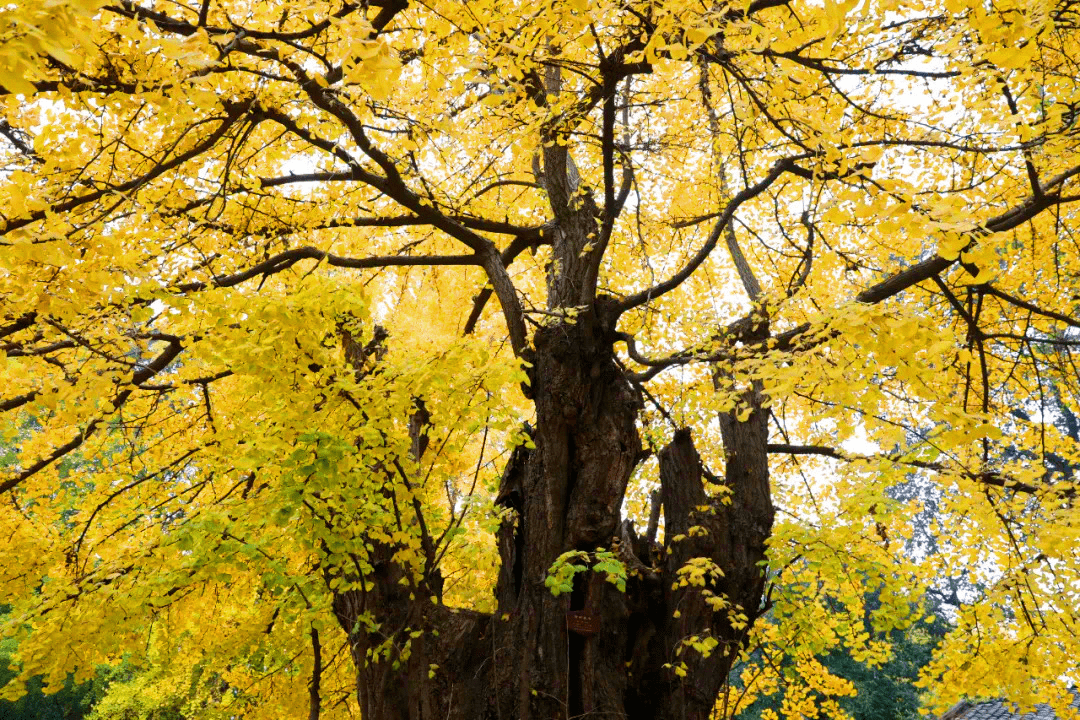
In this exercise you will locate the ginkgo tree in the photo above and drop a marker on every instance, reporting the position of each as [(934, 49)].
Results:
[(493, 359)]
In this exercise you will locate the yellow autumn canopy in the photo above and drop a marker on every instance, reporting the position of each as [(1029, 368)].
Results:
[(271, 275)]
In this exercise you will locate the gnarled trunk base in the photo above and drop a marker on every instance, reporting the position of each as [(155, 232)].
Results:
[(625, 654)]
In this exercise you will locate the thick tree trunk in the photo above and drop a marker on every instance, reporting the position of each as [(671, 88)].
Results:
[(660, 650), (629, 654), (567, 495)]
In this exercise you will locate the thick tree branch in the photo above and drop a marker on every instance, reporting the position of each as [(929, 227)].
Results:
[(21, 323), (234, 111), (141, 375), (820, 65), (315, 699), (524, 241), (18, 401), (607, 145), (393, 186), (879, 292), (987, 477), (1031, 307), (288, 258), (640, 298), (388, 10)]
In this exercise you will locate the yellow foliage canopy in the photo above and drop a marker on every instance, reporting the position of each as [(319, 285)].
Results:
[(249, 247)]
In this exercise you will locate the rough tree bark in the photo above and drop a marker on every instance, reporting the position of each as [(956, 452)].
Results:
[(566, 494)]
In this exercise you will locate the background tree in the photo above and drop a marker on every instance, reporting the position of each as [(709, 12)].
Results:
[(886, 690), (266, 263), (69, 703)]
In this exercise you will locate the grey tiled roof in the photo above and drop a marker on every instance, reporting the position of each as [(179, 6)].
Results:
[(1000, 710)]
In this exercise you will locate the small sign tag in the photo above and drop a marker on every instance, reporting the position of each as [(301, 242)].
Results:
[(582, 622)]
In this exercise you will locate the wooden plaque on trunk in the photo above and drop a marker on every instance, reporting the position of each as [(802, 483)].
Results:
[(582, 622)]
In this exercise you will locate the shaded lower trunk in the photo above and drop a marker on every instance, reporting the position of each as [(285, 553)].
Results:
[(661, 649)]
